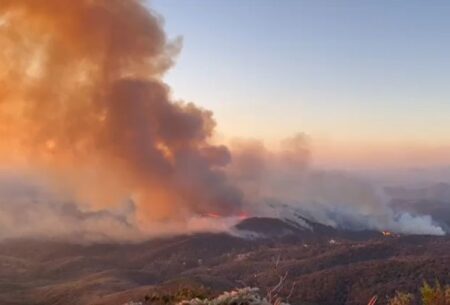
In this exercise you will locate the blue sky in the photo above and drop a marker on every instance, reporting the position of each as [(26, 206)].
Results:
[(351, 71)]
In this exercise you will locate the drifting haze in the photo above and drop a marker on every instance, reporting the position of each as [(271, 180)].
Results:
[(83, 107)]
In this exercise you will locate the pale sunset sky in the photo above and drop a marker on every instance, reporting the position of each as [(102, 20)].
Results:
[(368, 81)]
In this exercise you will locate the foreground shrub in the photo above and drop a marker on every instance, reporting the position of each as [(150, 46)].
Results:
[(401, 299), (243, 296), (430, 295), (436, 295)]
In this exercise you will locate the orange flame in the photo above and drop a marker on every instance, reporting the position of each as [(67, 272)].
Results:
[(242, 215)]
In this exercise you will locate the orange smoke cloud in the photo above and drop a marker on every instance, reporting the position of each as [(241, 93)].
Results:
[(81, 98)]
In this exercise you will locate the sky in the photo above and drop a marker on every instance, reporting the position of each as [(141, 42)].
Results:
[(361, 78)]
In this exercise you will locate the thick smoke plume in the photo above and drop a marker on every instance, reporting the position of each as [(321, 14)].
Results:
[(81, 98), (83, 105)]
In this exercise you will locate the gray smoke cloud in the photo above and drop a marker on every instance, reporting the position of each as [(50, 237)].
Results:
[(30, 210)]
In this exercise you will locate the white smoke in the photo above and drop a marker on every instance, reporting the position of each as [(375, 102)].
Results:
[(407, 223), (332, 197)]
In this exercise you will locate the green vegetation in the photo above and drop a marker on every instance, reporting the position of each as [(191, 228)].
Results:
[(430, 295), (436, 295)]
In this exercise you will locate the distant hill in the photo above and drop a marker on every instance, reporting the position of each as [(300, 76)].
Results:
[(298, 230), (330, 267)]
